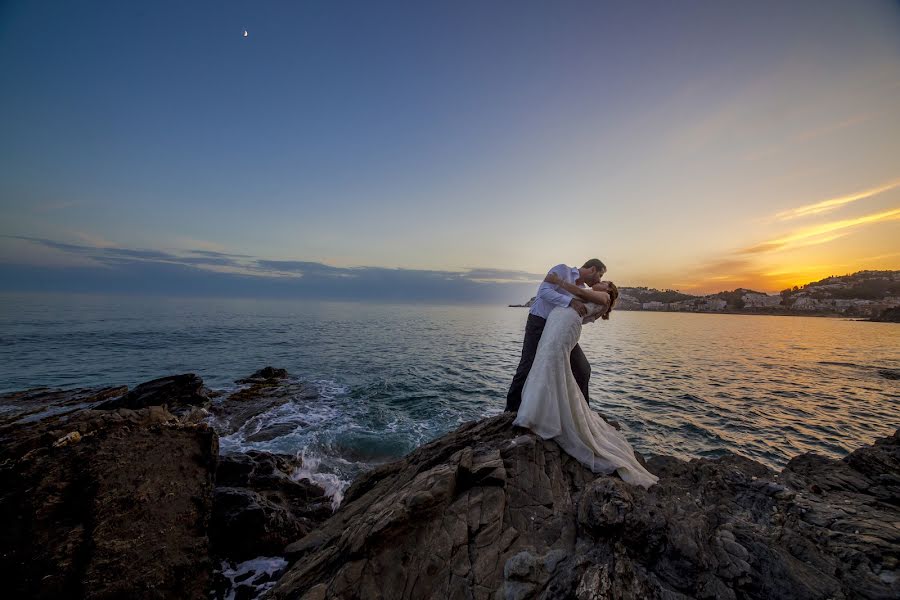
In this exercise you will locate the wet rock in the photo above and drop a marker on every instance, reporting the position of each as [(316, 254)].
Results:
[(269, 432), (246, 408), (178, 392), (265, 375), (33, 405), (490, 511), (122, 512), (259, 509)]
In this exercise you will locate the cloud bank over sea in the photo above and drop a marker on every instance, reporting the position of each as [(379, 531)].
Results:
[(118, 270)]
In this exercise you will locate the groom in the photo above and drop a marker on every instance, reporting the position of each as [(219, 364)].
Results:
[(548, 297)]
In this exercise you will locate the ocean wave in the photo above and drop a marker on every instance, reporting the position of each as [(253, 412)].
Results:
[(333, 485)]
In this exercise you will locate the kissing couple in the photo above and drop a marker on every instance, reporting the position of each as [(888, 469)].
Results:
[(549, 391)]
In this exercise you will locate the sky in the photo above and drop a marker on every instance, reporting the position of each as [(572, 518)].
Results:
[(445, 150)]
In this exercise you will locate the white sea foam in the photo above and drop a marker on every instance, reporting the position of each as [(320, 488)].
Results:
[(330, 389), (314, 417), (308, 413), (333, 485), (263, 568)]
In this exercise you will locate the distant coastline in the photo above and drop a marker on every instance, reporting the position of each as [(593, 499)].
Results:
[(866, 295)]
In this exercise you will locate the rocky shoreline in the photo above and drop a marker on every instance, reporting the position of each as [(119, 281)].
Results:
[(123, 493), (888, 315)]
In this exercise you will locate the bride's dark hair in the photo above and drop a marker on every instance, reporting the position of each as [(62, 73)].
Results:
[(613, 296)]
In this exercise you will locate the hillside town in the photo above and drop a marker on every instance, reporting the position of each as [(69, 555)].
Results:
[(865, 294)]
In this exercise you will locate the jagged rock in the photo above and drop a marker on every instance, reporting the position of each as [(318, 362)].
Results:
[(36, 404), (121, 513), (243, 408), (258, 508), (265, 375), (444, 521), (103, 503), (490, 511), (117, 502), (179, 392)]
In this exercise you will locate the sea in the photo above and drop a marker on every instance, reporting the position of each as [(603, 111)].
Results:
[(392, 377)]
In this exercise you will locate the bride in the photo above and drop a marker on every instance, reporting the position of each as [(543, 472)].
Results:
[(553, 406)]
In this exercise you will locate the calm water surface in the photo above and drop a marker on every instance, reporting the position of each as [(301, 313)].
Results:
[(391, 377)]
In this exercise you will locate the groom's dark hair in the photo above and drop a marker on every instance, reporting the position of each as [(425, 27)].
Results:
[(596, 263)]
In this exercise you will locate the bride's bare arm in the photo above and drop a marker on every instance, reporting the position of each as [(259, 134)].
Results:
[(586, 294)]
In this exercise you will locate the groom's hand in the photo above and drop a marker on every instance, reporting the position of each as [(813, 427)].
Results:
[(579, 307)]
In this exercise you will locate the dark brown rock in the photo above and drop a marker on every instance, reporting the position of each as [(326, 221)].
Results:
[(444, 521), (178, 392), (264, 375), (259, 508), (490, 511), (40, 403), (244, 407), (103, 504)]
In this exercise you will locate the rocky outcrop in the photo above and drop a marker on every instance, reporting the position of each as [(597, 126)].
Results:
[(101, 504), (265, 375), (259, 508), (490, 511), (265, 390), (33, 405), (180, 393), (99, 500), (136, 503)]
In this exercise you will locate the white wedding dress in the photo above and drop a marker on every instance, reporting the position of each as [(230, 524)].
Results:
[(553, 406)]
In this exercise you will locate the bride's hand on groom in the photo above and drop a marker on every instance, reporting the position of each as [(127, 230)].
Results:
[(552, 279), (579, 307)]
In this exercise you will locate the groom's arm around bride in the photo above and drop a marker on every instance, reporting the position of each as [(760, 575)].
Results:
[(548, 297)]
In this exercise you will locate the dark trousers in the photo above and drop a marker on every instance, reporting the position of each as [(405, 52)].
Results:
[(534, 327)]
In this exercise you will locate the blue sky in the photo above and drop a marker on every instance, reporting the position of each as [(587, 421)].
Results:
[(682, 143)]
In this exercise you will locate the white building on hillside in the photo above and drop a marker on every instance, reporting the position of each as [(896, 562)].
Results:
[(754, 300), (713, 304), (654, 305), (806, 303)]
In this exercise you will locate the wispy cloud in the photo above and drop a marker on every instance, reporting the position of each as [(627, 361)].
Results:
[(819, 234), (834, 203), (200, 245), (106, 254), (880, 256), (728, 274), (93, 240), (208, 272), (301, 267), (218, 254), (501, 275), (810, 135), (762, 267)]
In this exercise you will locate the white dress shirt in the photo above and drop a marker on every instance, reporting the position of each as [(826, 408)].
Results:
[(549, 296)]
